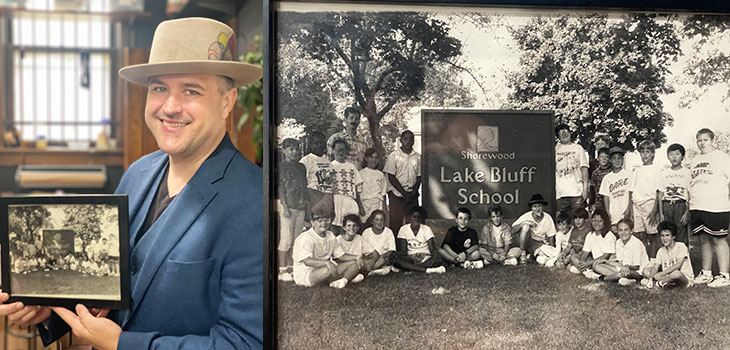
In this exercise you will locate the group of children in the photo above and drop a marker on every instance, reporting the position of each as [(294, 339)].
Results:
[(337, 187), (647, 207), (98, 258)]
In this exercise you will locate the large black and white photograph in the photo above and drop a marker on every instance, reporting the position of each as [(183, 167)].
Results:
[(414, 207), (65, 251)]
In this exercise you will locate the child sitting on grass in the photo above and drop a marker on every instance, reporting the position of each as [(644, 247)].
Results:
[(495, 239), (461, 245), (673, 260), (562, 240), (318, 258), (382, 239), (416, 249), (581, 228), (599, 244), (353, 244), (627, 265)]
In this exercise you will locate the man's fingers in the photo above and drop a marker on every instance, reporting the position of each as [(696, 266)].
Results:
[(69, 317)]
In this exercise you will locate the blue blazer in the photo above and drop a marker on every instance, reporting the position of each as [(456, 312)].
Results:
[(197, 279)]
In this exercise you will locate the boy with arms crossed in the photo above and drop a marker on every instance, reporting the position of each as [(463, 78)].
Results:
[(710, 207), (461, 245)]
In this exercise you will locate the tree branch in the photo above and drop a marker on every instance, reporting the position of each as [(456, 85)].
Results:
[(453, 64)]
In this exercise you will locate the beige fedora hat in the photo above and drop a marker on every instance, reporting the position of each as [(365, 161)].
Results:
[(193, 46)]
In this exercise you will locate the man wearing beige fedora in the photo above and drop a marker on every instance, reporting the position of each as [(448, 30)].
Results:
[(195, 210)]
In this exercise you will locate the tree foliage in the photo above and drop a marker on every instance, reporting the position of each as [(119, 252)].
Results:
[(87, 221), (379, 60), (709, 62), (29, 219), (598, 75)]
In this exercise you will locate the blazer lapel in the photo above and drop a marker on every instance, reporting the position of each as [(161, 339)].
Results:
[(175, 221), (145, 189)]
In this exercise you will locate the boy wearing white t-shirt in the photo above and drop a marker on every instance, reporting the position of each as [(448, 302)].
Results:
[(674, 193), (571, 172), (672, 258), (644, 192), (710, 207), (630, 259), (318, 258), (615, 188)]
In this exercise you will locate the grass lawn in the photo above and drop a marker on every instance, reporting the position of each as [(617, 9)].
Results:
[(501, 307), (65, 282)]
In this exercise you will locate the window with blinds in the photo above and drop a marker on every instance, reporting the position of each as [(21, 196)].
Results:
[(60, 72)]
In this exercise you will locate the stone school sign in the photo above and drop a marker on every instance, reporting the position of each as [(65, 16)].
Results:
[(475, 158)]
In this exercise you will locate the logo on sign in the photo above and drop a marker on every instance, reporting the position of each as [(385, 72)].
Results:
[(487, 139)]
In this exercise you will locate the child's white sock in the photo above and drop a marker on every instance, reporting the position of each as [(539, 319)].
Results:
[(707, 272)]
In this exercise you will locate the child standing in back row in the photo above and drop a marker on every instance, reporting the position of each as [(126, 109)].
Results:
[(645, 186), (675, 192), (292, 204), (374, 185)]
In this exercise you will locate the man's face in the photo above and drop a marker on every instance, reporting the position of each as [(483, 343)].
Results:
[(704, 143), (564, 136), (352, 121), (675, 158), (462, 219), (187, 114), (617, 161)]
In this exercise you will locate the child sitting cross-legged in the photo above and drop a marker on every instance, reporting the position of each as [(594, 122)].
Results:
[(562, 240), (416, 249), (461, 245), (383, 240), (672, 259), (627, 265), (495, 239), (318, 258), (353, 244), (599, 244)]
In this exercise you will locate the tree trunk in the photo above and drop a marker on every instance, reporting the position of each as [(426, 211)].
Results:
[(371, 113)]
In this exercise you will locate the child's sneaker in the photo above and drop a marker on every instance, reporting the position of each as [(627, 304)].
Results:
[(339, 284), (285, 277), (485, 262), (541, 260), (467, 265), (702, 278), (591, 274), (381, 271), (477, 264), (574, 270), (394, 269), (661, 284), (439, 269), (647, 283), (358, 278), (551, 262), (523, 258), (626, 281), (510, 262), (719, 281)]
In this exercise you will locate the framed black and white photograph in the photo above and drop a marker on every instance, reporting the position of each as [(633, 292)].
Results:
[(471, 99), (64, 250)]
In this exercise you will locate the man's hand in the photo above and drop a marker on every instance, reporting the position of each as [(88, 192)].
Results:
[(23, 315), (100, 332)]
